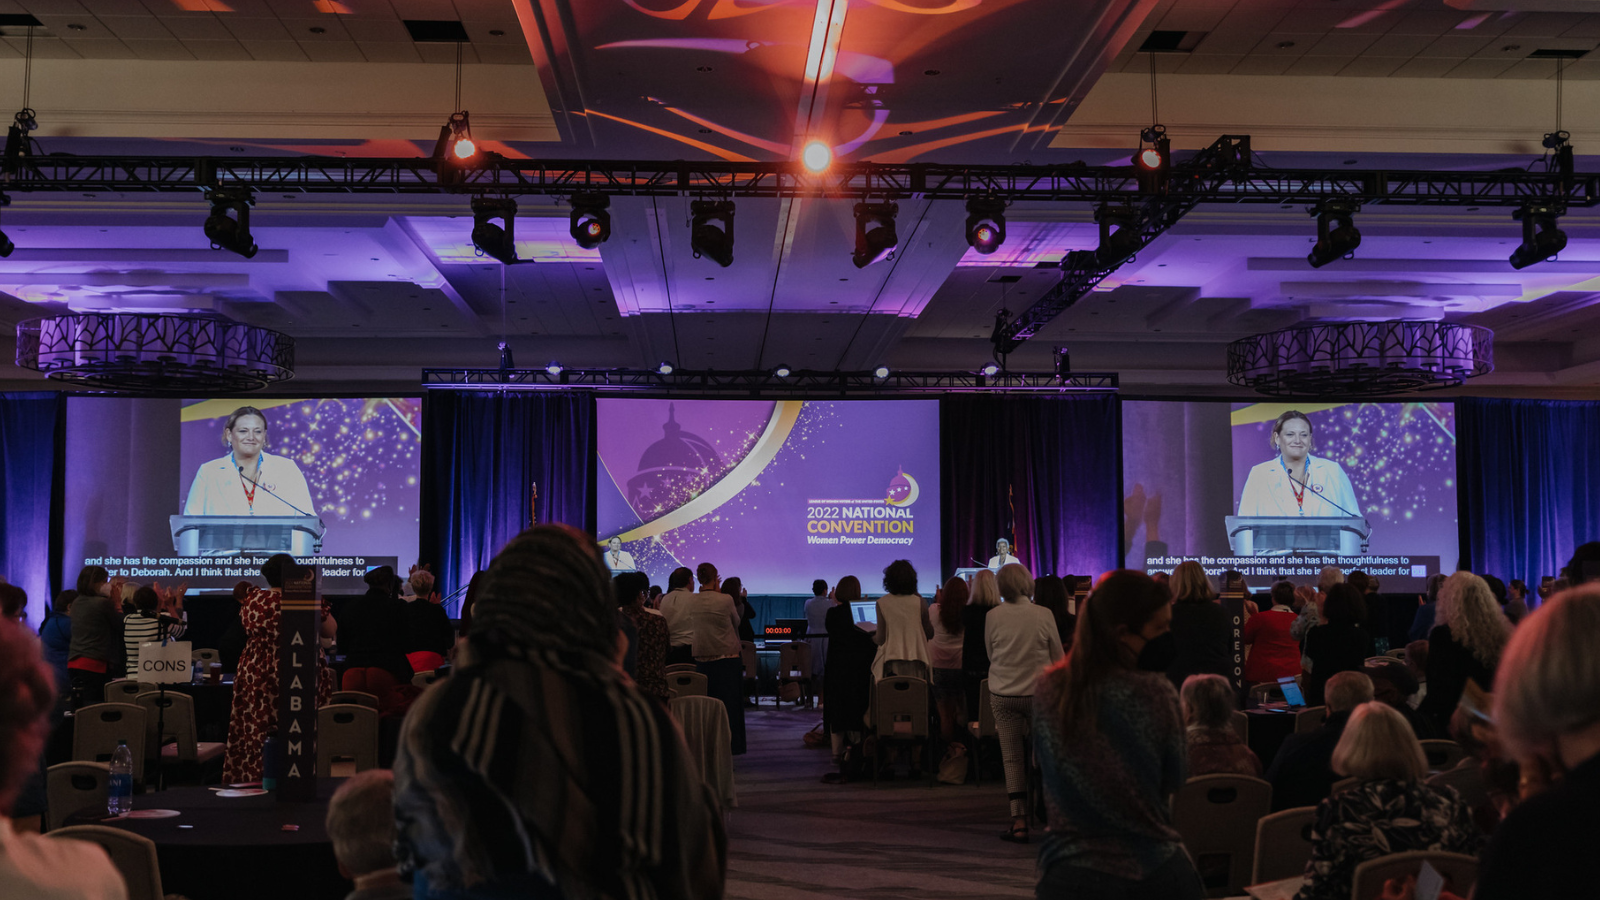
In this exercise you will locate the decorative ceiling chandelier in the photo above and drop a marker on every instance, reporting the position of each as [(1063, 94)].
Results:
[(1358, 359), (165, 354)]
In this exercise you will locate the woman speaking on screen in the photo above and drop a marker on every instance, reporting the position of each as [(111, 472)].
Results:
[(248, 481), (1295, 483)]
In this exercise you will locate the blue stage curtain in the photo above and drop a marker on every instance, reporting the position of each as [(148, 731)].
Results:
[(1530, 484), (482, 454), (30, 432), (1046, 469)]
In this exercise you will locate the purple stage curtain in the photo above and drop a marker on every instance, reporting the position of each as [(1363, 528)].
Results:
[(31, 438), (482, 453), (1529, 484), (1044, 472)]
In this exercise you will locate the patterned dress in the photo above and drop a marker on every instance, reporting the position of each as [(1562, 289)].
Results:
[(255, 687), (1376, 818), (649, 670)]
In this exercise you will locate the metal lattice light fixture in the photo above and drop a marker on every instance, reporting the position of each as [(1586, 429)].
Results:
[(1358, 359), (186, 354)]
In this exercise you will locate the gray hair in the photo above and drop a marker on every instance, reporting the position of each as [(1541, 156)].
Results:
[(361, 822), (1207, 701), (1015, 582), (1469, 610), (1548, 682), (1330, 576), (1347, 690)]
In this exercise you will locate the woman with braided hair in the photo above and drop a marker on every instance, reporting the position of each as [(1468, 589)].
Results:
[(537, 769)]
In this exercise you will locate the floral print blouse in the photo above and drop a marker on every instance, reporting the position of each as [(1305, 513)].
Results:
[(1377, 818)]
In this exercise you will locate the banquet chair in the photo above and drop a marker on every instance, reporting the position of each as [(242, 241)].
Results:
[(134, 855), (423, 679), (206, 655), (752, 671), (359, 698), (71, 786), (1398, 653), (97, 728), (1241, 725), (899, 713), (1216, 816), (1309, 719), (125, 690), (1443, 755), (704, 721), (686, 684), (346, 733), (1459, 869), (794, 667), (1283, 844), (682, 667), (173, 713)]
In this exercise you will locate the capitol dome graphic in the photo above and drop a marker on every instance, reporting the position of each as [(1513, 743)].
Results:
[(673, 470)]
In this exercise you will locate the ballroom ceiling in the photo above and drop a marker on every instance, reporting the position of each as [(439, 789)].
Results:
[(374, 288)]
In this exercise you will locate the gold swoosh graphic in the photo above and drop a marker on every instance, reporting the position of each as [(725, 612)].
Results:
[(784, 415)]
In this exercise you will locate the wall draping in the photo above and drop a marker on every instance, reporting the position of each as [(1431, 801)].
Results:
[(30, 441)]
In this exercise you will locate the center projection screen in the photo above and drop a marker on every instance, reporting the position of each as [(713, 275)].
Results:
[(1386, 468), (778, 493)]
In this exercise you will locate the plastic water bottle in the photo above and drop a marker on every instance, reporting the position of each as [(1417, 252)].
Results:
[(271, 763), (119, 792)]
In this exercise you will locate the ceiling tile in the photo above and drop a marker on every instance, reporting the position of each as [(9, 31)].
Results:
[(1480, 68), (196, 28), (1433, 22), (1372, 67), (43, 9), (300, 29), (1230, 41), (375, 29), (446, 53), (1544, 24), (332, 51), (1263, 65), (1209, 64), (274, 51), (159, 49), (1589, 27), (389, 51), (256, 28), (137, 28), (1425, 67), (500, 55), (1196, 18), (115, 7), (1531, 68), (1401, 45), (44, 48), (1505, 48), (1342, 43), (1585, 69), (1457, 46), (101, 49), (225, 51), (1318, 65)]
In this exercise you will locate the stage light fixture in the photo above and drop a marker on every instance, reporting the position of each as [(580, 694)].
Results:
[(495, 241), (454, 148), (506, 362), (1541, 238), (1063, 363), (554, 369), (783, 371), (591, 224), (990, 370), (1153, 164), (1337, 237), (6, 247), (711, 230), (816, 156), (1119, 234), (986, 224), (875, 233), (881, 373), (664, 368), (226, 232), (19, 143)]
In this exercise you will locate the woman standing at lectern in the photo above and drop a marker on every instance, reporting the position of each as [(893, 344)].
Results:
[(1295, 483), (249, 481)]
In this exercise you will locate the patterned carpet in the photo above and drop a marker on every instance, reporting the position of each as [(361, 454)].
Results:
[(794, 838)]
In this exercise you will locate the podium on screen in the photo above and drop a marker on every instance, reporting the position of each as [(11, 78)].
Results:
[(234, 535), (1274, 535)]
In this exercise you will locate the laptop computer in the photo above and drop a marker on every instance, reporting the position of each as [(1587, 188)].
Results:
[(864, 611), (1291, 693)]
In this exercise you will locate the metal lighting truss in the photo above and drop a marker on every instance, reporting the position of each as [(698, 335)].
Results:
[(1358, 359), (190, 355), (766, 383)]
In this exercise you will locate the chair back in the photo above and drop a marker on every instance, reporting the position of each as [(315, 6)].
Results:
[(97, 728), (359, 698), (346, 731), (684, 667), (1283, 844), (134, 856), (900, 708), (1443, 755), (423, 679), (747, 656), (803, 661), (686, 684), (206, 655), (1217, 816), (1468, 780), (1460, 871), (1397, 653), (71, 786), (173, 713), (1241, 726), (704, 721), (1260, 694), (126, 690), (1309, 719)]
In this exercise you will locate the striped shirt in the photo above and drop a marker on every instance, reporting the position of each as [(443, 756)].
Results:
[(138, 628)]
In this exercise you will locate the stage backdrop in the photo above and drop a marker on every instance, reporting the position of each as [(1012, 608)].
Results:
[(482, 454), (1530, 484), (1043, 472), (29, 437)]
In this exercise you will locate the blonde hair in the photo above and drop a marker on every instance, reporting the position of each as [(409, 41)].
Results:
[(985, 589), (1378, 743), (1328, 577), (1284, 419), (1190, 582), (1548, 683), (422, 583), (1467, 607), (1015, 581), (360, 822)]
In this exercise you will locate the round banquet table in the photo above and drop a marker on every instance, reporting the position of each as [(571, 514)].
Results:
[(236, 848), (1268, 730)]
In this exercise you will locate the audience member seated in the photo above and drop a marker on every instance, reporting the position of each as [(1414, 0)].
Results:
[(903, 625), (1273, 653), (517, 813), (1339, 644), (1466, 644), (944, 654), (974, 622), (1393, 684), (714, 619), (1022, 640), (1389, 810), (157, 615), (650, 656), (1547, 704), (675, 609), (55, 638), (31, 866), (1200, 627), (1427, 608), (848, 685), (1301, 773), (429, 635), (360, 824), (1215, 748), (255, 688), (1111, 753), (372, 635)]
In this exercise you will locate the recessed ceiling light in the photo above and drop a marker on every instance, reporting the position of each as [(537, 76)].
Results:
[(1284, 45), (931, 72), (318, 29), (702, 68), (497, 32), (906, 133)]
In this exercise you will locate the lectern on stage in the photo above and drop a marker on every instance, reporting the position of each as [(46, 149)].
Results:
[(298, 536), (1276, 535)]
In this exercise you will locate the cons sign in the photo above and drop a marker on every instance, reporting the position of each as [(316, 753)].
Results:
[(167, 663)]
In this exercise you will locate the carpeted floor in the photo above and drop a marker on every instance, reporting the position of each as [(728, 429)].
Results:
[(794, 838)]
